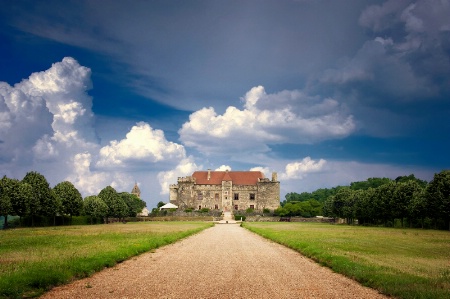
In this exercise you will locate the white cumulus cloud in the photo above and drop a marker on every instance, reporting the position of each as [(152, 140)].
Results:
[(288, 116), (142, 143), (185, 168), (298, 170), (264, 170), (223, 168)]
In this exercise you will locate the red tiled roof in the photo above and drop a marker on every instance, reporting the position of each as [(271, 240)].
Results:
[(237, 177)]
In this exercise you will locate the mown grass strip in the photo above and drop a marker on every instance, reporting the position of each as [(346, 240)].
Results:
[(32, 260), (405, 263)]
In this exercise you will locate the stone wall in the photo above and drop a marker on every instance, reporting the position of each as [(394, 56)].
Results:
[(268, 195)]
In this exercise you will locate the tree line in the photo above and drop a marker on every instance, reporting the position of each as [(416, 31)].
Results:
[(376, 201), (33, 196)]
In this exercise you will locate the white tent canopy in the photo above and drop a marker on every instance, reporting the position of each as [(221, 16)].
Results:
[(168, 206)]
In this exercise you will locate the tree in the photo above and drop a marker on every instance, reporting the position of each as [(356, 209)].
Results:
[(328, 207), (417, 208), (404, 194), (411, 177), (94, 207), (5, 199), (42, 194), (134, 203), (342, 204), (369, 183), (24, 202), (116, 206), (384, 195), (438, 196), (70, 197)]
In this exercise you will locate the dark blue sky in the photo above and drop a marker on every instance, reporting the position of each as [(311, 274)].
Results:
[(323, 92)]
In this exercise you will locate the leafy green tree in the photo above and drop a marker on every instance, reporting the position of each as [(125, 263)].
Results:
[(41, 190), (94, 207), (438, 196), (369, 183), (360, 205), (5, 199), (116, 206), (417, 208), (53, 206), (281, 211), (411, 177), (328, 207), (24, 202), (70, 197), (134, 203), (404, 194), (341, 203), (383, 196)]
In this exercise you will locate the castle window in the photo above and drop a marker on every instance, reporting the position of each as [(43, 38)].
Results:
[(252, 207), (236, 207), (216, 196), (216, 207), (200, 195), (199, 207), (236, 196), (252, 196)]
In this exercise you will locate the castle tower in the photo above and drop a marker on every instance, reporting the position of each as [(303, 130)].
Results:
[(136, 191)]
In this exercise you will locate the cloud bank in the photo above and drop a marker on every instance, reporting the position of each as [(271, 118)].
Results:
[(285, 117)]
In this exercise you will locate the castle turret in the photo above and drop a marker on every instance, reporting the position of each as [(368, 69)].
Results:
[(274, 177)]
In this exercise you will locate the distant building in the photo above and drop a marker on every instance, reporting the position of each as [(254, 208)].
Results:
[(144, 212), (136, 191), (226, 191)]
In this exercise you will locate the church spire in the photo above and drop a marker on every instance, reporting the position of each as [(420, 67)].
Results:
[(136, 191)]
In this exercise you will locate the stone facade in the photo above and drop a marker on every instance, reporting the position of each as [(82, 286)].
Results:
[(226, 191)]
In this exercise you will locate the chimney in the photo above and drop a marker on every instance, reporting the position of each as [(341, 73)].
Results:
[(274, 177), (209, 174)]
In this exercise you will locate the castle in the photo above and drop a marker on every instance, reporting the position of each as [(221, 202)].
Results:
[(227, 191)]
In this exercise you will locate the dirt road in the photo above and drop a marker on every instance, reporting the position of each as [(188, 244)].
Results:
[(225, 261)]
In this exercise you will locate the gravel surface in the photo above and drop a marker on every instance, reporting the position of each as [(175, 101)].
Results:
[(225, 261)]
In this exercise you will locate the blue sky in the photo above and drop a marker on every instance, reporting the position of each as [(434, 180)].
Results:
[(322, 92)]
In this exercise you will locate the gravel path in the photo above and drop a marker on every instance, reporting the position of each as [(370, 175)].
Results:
[(225, 261)]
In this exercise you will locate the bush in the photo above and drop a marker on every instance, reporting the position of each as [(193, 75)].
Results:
[(239, 217), (266, 211), (188, 210), (249, 210), (204, 210)]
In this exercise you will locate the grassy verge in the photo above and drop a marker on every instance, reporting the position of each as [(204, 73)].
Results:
[(34, 260), (404, 263)]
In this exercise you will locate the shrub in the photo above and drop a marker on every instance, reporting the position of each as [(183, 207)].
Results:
[(249, 211), (238, 217), (188, 210), (266, 211)]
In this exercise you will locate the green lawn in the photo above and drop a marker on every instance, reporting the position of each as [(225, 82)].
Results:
[(405, 263), (33, 260)]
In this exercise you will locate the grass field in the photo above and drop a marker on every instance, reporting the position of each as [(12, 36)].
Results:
[(34, 259), (405, 263)]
